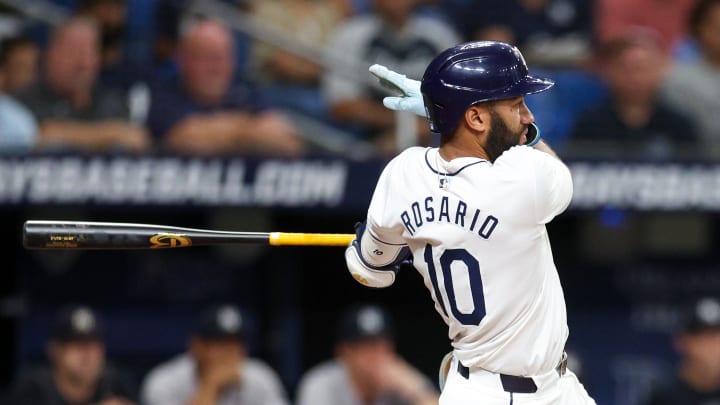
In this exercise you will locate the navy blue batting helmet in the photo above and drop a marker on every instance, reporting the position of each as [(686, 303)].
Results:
[(471, 73)]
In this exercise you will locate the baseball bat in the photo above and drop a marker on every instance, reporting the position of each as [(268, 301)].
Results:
[(113, 235)]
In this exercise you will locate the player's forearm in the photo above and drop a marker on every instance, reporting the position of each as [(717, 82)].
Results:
[(425, 397), (207, 134), (294, 68), (418, 392), (85, 135), (363, 111)]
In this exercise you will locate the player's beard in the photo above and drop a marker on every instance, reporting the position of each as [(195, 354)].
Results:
[(500, 138)]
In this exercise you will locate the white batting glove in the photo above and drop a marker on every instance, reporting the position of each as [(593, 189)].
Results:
[(410, 98)]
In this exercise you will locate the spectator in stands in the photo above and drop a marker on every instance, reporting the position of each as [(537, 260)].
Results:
[(290, 79), (19, 58), (617, 18), (18, 128), (693, 88), (633, 121), (393, 36), (698, 377), (205, 113), (216, 369), (72, 111), (305, 21), (117, 71), (78, 372), (551, 32), (366, 368), (110, 15)]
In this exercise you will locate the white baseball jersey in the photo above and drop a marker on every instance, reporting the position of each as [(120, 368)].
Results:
[(175, 382), (477, 234)]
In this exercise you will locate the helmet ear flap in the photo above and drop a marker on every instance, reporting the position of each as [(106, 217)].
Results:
[(434, 112)]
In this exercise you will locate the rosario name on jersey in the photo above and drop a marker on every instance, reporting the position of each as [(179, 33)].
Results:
[(477, 234)]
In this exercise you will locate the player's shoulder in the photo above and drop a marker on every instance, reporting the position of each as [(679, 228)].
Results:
[(328, 373), (518, 151), (258, 370), (177, 370), (411, 153), (525, 155), (406, 160)]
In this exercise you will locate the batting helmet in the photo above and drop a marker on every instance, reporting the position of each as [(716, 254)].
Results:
[(473, 72)]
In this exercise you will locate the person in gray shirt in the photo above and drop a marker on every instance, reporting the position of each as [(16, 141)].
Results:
[(72, 111), (693, 87), (366, 370), (215, 370)]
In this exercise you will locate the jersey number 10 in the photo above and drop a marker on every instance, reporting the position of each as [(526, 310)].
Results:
[(472, 266)]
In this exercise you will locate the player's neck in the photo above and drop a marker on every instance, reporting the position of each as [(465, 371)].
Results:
[(459, 147)]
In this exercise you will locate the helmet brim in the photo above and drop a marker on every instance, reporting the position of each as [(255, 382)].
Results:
[(531, 85)]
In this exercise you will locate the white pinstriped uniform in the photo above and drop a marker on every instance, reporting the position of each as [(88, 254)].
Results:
[(477, 234)]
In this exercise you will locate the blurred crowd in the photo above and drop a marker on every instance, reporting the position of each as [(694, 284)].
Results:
[(217, 368), (634, 79)]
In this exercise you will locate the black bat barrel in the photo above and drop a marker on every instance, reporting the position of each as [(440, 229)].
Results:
[(106, 235)]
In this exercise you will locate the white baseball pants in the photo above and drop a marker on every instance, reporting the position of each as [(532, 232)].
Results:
[(484, 387)]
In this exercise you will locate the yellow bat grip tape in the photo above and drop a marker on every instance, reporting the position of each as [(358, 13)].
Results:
[(310, 239)]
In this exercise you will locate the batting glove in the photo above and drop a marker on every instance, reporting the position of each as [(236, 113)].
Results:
[(410, 98)]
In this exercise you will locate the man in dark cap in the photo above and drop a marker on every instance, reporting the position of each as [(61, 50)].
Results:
[(78, 373), (698, 377), (216, 369), (366, 369)]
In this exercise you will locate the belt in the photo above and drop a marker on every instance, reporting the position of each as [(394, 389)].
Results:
[(521, 385)]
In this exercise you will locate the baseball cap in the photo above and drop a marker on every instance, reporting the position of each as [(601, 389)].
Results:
[(702, 315), (76, 323), (364, 322), (221, 322)]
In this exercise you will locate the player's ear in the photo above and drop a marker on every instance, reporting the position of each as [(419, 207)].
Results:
[(477, 118)]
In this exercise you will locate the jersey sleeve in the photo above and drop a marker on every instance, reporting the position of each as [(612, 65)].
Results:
[(553, 186), (380, 224), (324, 384), (155, 393), (160, 386), (545, 181), (312, 391), (262, 378)]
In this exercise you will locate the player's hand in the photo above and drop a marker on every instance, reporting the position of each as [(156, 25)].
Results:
[(221, 375), (276, 134), (410, 98), (396, 375), (115, 401), (136, 139)]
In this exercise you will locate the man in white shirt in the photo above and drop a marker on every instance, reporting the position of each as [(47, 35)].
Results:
[(216, 369), (366, 370), (472, 216)]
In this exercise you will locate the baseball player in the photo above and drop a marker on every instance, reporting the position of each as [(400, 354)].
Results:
[(471, 215)]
